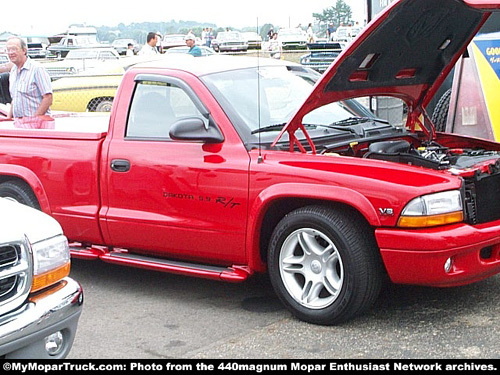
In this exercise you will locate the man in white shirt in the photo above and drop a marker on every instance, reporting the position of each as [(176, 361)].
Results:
[(150, 47)]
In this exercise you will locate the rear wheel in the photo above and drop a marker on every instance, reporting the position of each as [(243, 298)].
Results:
[(103, 104), (324, 264), (19, 191)]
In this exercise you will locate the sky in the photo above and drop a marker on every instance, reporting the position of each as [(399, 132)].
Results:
[(48, 17)]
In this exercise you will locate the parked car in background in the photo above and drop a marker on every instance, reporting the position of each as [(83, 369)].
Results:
[(37, 46), (4, 58), (172, 40), (39, 304), (93, 90), (346, 33), (205, 51), (254, 40), (227, 41), (321, 55), (121, 45), (72, 42), (79, 60), (293, 38)]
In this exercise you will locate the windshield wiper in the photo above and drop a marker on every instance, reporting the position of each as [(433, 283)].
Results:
[(337, 125), (269, 128), (357, 120), (276, 127)]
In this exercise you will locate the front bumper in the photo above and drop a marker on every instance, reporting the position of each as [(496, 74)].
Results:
[(58, 308), (418, 256)]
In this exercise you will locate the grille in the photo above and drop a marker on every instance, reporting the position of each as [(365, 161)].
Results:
[(8, 255), (7, 285), (60, 72), (485, 202), (15, 274)]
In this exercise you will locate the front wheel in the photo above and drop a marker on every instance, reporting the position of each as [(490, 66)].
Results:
[(19, 191), (324, 264)]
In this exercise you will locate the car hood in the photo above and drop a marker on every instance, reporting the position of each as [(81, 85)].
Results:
[(406, 51), (18, 219)]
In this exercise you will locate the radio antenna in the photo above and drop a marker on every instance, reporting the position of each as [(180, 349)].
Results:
[(259, 160)]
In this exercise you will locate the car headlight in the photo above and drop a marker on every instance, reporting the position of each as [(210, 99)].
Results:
[(433, 210), (51, 262)]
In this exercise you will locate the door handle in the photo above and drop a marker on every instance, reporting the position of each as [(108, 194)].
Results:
[(120, 165)]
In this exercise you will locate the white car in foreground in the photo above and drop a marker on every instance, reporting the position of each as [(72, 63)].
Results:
[(39, 304)]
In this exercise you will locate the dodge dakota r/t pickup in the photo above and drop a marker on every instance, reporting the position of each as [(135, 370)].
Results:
[(221, 167)]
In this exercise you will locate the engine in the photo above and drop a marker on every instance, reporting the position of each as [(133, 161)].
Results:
[(430, 155), (479, 168)]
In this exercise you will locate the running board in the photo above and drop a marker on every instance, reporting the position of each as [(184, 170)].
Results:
[(228, 274)]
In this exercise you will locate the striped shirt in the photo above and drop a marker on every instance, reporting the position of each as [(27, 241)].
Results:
[(27, 88)]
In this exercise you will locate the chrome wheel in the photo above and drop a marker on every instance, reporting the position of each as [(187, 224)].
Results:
[(324, 264), (311, 268)]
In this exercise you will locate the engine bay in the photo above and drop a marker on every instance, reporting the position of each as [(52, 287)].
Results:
[(477, 164), (431, 155)]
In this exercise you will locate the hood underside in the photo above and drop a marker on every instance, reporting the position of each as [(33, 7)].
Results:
[(407, 52)]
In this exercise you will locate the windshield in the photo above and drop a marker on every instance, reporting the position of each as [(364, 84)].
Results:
[(280, 92), (81, 54), (229, 36), (290, 32)]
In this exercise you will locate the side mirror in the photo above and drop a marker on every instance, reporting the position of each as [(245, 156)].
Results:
[(194, 129)]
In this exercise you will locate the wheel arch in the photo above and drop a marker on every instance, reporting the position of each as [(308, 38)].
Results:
[(14, 173), (274, 203)]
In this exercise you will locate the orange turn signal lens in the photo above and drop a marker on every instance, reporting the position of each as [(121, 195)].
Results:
[(430, 221), (51, 277)]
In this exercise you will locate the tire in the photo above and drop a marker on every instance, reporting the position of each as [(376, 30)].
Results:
[(104, 105), (440, 114), (20, 192), (324, 265)]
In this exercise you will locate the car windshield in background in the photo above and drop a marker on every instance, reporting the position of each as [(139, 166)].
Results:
[(290, 32), (280, 93), (80, 54), (224, 36)]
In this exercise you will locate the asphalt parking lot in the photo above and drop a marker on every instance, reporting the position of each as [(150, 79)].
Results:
[(140, 314)]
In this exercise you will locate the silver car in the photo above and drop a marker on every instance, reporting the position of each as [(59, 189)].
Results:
[(229, 41)]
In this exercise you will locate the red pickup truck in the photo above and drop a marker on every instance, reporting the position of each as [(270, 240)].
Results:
[(221, 167)]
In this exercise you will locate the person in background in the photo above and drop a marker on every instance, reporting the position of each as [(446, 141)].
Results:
[(310, 34), (191, 43), (274, 47), (270, 33), (330, 32), (29, 83), (150, 47), (130, 50), (209, 35)]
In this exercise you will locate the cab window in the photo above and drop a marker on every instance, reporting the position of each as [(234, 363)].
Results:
[(155, 107)]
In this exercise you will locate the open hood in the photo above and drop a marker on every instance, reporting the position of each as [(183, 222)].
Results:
[(406, 52)]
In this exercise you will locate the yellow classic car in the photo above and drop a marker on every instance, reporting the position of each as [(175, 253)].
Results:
[(93, 90)]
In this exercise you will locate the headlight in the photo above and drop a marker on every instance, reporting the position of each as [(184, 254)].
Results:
[(432, 210), (51, 262)]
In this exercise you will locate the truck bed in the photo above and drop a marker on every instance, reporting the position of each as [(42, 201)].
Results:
[(60, 159), (61, 125)]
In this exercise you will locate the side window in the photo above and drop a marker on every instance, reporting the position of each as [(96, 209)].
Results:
[(155, 107)]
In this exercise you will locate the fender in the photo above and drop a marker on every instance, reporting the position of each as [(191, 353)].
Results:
[(266, 197), (31, 179)]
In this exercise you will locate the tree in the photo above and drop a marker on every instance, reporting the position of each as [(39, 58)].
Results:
[(339, 14)]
